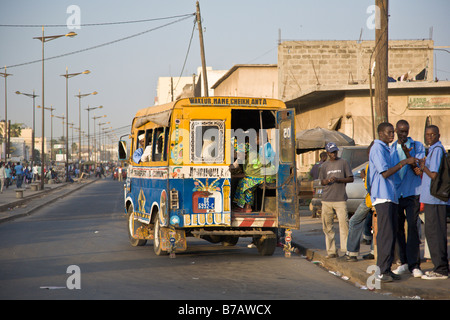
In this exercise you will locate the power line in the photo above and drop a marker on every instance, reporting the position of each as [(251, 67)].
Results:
[(92, 24), (103, 44), (187, 54)]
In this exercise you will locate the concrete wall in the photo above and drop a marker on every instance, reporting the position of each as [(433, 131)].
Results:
[(249, 81), (304, 65)]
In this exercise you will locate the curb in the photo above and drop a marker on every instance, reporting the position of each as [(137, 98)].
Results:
[(359, 278), (22, 201), (332, 264)]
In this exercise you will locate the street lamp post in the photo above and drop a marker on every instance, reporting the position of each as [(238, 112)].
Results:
[(51, 130), (104, 142), (32, 132), (62, 118), (95, 138), (79, 147), (68, 75), (71, 145), (45, 39), (80, 95), (6, 75), (89, 144), (99, 138)]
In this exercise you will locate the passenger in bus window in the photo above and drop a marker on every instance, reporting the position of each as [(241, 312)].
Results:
[(159, 146), (147, 155), (139, 151)]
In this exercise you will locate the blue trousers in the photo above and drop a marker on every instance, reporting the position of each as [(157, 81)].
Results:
[(356, 225), (19, 180)]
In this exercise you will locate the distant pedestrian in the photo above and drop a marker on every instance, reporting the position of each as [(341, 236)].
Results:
[(19, 174), (8, 175), (2, 176), (35, 172), (119, 173), (384, 198), (435, 209), (334, 174)]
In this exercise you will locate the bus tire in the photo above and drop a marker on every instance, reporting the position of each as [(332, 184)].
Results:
[(266, 245), (132, 225), (157, 240)]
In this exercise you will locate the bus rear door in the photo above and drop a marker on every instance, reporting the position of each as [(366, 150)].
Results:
[(288, 214)]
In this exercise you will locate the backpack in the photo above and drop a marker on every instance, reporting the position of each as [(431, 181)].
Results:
[(367, 185), (440, 187)]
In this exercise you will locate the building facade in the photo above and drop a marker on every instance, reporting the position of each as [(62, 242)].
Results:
[(249, 80)]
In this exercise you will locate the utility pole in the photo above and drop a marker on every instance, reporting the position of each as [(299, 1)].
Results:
[(202, 50), (171, 88), (381, 63)]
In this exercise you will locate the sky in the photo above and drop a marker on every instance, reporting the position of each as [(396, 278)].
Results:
[(125, 72)]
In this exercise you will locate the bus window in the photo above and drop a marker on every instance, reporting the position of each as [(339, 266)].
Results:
[(137, 146), (285, 142), (147, 155), (166, 143), (158, 147), (207, 141)]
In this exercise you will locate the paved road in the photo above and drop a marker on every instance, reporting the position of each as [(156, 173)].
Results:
[(88, 229)]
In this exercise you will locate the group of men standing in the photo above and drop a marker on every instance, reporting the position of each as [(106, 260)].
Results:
[(399, 177)]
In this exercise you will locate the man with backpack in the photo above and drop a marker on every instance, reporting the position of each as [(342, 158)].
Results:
[(435, 208)]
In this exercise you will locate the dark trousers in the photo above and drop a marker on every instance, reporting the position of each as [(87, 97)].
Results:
[(436, 234), (387, 222), (408, 246)]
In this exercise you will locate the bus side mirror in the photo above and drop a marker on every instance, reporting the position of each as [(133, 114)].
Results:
[(122, 150)]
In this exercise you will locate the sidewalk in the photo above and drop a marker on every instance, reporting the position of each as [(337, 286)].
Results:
[(12, 208), (310, 240)]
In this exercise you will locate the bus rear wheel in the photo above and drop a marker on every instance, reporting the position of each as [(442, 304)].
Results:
[(157, 240), (266, 244)]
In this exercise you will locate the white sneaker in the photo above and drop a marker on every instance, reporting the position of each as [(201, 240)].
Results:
[(402, 269), (431, 275), (417, 273)]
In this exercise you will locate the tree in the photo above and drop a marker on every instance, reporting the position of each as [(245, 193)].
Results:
[(16, 129)]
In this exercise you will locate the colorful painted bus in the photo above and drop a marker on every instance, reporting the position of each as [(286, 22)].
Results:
[(181, 181)]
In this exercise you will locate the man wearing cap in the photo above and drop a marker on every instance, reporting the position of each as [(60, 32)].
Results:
[(137, 155), (334, 174)]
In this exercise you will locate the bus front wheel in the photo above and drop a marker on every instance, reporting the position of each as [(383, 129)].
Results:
[(133, 225)]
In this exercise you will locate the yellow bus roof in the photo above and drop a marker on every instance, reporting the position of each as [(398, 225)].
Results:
[(160, 114)]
